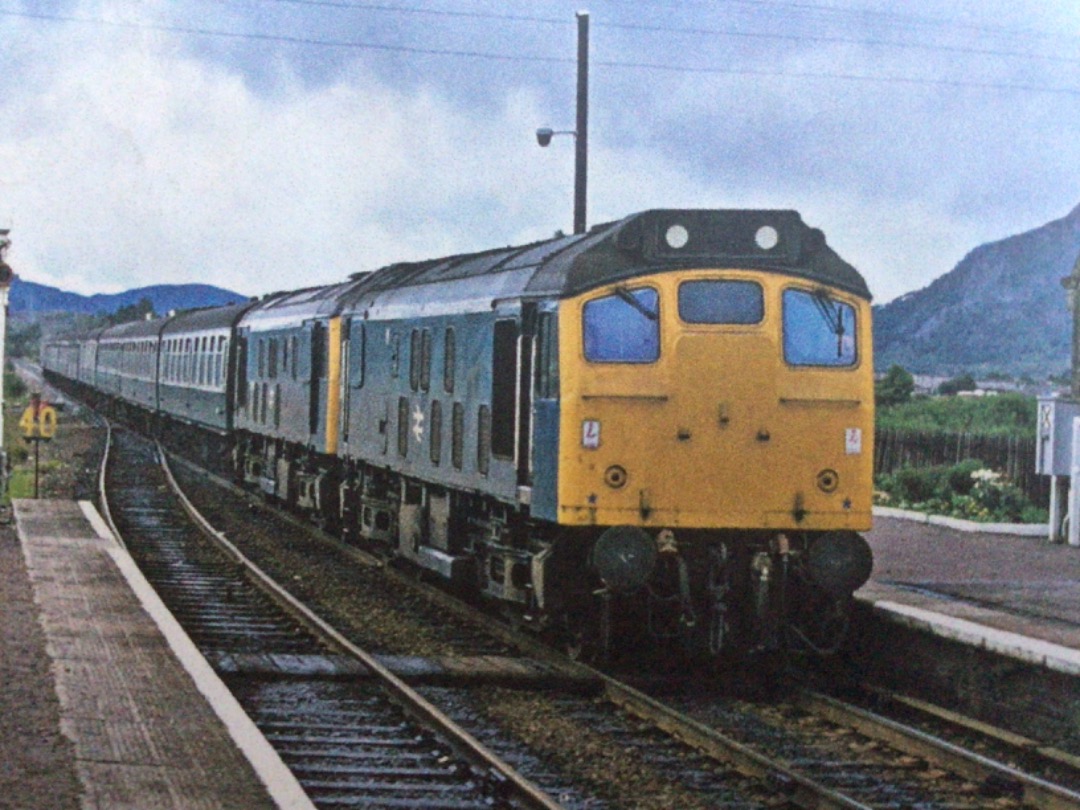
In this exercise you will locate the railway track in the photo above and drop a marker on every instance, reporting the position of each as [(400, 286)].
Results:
[(808, 751), (352, 741)]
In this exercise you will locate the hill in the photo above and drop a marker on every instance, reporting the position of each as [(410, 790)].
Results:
[(1002, 308), (28, 299)]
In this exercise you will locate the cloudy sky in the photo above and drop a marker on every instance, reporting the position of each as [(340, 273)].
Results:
[(271, 144)]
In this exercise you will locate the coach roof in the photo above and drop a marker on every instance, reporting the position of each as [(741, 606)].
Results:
[(204, 320)]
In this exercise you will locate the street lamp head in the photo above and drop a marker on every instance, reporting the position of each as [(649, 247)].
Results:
[(543, 136)]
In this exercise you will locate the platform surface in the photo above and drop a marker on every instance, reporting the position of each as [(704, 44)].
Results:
[(1016, 595), (144, 734)]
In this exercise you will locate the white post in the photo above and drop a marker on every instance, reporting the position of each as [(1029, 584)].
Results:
[(1057, 507), (1074, 487), (5, 284)]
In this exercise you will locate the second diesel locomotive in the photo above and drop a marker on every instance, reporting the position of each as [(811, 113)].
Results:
[(662, 426)]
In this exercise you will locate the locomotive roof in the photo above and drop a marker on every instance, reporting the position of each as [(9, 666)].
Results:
[(290, 308), (640, 244)]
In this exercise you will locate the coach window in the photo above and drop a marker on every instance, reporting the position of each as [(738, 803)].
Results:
[(449, 359), (721, 301), (436, 432), (414, 360), (425, 360), (261, 358), (457, 435), (241, 371), (403, 426), (358, 355), (623, 327), (271, 361), (818, 330), (187, 360)]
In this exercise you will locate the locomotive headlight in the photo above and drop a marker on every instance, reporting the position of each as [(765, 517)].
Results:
[(615, 476), (828, 480)]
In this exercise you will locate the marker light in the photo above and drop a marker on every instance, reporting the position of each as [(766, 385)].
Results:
[(766, 237), (677, 236)]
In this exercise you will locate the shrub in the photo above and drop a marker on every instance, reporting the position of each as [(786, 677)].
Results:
[(966, 490)]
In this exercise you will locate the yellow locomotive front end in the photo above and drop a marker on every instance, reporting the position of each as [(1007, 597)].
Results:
[(716, 399), (716, 442)]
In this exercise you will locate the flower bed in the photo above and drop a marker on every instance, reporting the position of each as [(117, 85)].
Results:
[(967, 490)]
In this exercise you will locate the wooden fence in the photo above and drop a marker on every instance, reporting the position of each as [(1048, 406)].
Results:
[(1013, 456)]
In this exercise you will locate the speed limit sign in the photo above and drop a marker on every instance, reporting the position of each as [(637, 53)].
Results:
[(38, 421)]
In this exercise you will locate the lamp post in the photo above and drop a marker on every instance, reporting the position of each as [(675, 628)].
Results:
[(581, 132)]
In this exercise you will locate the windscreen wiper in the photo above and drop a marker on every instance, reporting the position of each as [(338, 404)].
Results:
[(833, 316), (629, 298)]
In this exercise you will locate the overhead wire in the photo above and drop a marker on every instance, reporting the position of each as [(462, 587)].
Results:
[(700, 31), (904, 18), (527, 58)]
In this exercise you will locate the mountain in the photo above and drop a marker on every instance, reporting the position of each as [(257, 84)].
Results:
[(30, 299), (1002, 308)]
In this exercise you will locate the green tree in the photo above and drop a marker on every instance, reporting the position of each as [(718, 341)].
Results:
[(132, 312), (965, 382), (895, 387), (23, 339)]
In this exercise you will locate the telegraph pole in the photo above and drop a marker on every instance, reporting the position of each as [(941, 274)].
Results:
[(581, 156), (581, 131)]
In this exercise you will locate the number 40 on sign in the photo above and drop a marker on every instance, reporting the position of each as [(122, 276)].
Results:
[(38, 421)]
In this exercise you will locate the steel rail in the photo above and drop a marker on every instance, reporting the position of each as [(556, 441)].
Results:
[(1029, 789), (800, 789), (103, 495), (1020, 744), (416, 704), (796, 787)]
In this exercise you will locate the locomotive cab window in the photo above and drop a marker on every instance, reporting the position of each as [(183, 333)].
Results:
[(623, 327), (818, 330), (721, 301)]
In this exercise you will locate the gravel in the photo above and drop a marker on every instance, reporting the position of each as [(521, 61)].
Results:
[(37, 762)]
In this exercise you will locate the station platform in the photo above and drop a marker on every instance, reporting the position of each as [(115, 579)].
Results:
[(151, 725), (1013, 595)]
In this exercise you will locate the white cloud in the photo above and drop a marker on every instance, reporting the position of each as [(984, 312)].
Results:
[(126, 159), (138, 166)]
